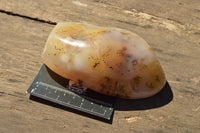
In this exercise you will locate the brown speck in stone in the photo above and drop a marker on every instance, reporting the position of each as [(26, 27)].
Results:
[(117, 84), (124, 48), (107, 78), (151, 50), (121, 52), (128, 56), (57, 48), (142, 66), (54, 54), (134, 62), (80, 82), (137, 79), (95, 65), (157, 78), (150, 85), (103, 86)]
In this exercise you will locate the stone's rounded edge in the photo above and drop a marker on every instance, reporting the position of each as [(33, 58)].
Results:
[(102, 69)]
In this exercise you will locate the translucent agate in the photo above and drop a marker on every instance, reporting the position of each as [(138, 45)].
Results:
[(108, 60)]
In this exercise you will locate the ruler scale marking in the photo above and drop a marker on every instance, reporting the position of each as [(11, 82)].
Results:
[(48, 89)]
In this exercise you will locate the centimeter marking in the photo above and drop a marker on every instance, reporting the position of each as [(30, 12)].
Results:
[(45, 88), (54, 87)]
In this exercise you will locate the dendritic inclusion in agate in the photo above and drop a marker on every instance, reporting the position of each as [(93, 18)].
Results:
[(110, 61)]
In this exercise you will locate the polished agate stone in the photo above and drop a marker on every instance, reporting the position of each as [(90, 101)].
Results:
[(108, 60)]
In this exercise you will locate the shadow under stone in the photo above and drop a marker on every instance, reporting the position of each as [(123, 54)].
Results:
[(158, 100)]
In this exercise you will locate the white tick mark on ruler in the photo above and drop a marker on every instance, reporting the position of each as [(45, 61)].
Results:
[(57, 97), (81, 105)]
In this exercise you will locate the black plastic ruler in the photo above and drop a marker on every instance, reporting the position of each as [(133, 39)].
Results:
[(52, 87)]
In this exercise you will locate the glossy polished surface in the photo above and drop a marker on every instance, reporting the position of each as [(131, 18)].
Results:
[(108, 60)]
